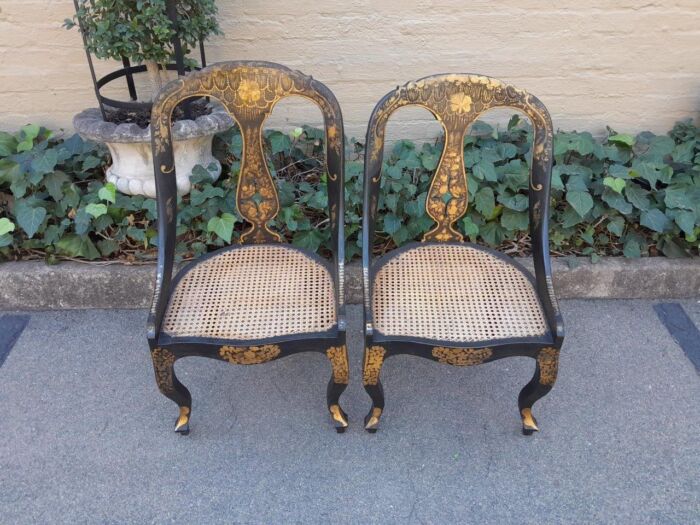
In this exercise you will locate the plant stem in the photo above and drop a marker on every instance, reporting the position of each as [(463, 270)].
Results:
[(154, 75)]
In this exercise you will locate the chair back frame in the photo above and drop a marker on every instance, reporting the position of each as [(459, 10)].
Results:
[(249, 90)]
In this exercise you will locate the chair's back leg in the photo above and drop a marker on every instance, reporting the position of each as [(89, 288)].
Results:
[(538, 387), (338, 356), (170, 387), (373, 362)]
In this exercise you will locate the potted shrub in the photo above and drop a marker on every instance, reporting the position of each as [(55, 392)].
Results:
[(156, 35)]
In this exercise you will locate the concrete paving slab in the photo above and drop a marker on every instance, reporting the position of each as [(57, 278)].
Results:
[(87, 438)]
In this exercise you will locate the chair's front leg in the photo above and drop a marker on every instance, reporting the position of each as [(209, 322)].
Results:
[(170, 387), (338, 356), (538, 387), (373, 361)]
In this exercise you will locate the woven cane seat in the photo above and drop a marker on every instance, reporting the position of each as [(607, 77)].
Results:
[(252, 292), (454, 293)]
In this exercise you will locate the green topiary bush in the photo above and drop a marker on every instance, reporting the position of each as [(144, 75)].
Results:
[(141, 30), (625, 195)]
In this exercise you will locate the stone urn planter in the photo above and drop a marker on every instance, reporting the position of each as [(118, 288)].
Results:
[(130, 146)]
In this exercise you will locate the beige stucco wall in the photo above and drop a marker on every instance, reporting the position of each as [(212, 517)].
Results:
[(628, 64)]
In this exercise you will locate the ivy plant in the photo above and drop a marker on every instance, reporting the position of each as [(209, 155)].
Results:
[(624, 195)]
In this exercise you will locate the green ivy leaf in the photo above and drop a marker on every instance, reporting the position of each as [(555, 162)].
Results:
[(96, 209), (679, 198), (632, 249), (108, 193), (514, 220), (8, 144), (685, 220), (391, 223), (619, 171), (627, 140), (222, 226), (309, 240), (581, 143), (492, 233), (484, 170), (77, 246), (637, 196), (279, 142), (654, 220), (616, 226), (581, 201), (197, 197), (617, 185), (107, 247), (517, 202), (430, 160), (54, 184), (29, 133), (647, 170), (470, 229), (91, 162), (29, 218), (289, 217), (617, 201), (671, 249), (45, 162), (6, 226), (684, 152), (6, 240), (484, 201)]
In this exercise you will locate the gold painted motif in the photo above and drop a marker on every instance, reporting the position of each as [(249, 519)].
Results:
[(528, 419), (456, 101), (461, 356), (374, 359), (337, 415), (548, 361), (249, 91), (249, 355), (183, 419), (338, 356), (163, 361), (373, 420)]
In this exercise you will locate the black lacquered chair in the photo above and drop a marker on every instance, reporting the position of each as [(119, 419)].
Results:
[(261, 299), (445, 299)]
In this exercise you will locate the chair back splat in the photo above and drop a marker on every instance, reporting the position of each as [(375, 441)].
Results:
[(249, 91)]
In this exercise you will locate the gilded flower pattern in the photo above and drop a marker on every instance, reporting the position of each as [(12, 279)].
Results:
[(163, 361), (460, 103), (461, 356), (249, 355), (374, 359), (249, 91), (338, 356), (548, 361)]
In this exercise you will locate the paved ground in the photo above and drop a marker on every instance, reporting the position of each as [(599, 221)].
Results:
[(86, 438)]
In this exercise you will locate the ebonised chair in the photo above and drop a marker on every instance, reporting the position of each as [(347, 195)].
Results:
[(263, 299), (445, 299)]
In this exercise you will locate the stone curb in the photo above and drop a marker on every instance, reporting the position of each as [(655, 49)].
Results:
[(34, 285)]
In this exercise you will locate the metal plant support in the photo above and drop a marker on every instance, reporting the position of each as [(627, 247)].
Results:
[(128, 70)]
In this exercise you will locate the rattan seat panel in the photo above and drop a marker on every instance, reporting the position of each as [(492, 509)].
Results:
[(457, 293), (252, 292)]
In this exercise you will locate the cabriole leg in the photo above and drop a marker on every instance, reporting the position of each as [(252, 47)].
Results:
[(374, 359), (170, 387), (338, 356), (538, 387)]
